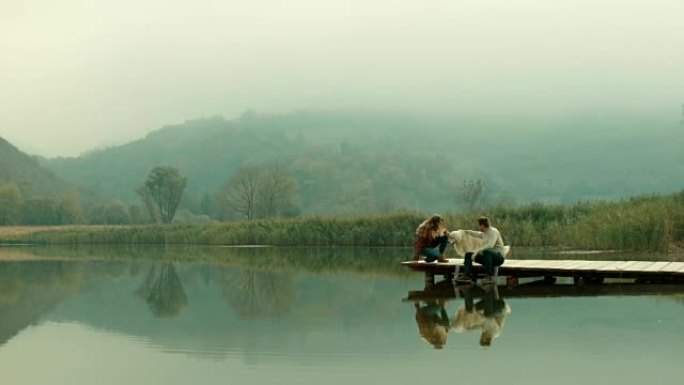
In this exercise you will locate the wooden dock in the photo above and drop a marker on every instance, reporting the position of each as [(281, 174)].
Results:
[(446, 290), (580, 271)]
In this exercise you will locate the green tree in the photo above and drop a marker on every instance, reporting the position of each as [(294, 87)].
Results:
[(39, 211), (10, 201), (112, 214), (69, 209), (117, 214), (136, 214), (162, 193)]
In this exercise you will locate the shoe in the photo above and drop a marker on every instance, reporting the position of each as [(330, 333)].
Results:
[(463, 279)]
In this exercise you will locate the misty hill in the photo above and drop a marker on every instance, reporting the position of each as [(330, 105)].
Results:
[(334, 175), (361, 162), (27, 173)]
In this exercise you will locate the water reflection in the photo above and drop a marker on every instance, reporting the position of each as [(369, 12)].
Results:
[(163, 291), (318, 309), (433, 322), (487, 315), (257, 293)]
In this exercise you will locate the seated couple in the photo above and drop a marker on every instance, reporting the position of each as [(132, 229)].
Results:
[(487, 248)]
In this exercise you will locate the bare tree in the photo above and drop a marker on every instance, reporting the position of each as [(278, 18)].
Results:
[(240, 193), (277, 191), (258, 293), (146, 197), (471, 193)]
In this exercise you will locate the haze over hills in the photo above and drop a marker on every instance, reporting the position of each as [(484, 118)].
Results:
[(26, 172), (360, 162)]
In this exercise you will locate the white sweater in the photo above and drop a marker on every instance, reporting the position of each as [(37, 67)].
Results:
[(491, 240)]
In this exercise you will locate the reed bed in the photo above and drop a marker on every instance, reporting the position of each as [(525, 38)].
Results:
[(648, 224)]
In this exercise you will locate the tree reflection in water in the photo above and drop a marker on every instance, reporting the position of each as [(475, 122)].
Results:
[(163, 291), (256, 293)]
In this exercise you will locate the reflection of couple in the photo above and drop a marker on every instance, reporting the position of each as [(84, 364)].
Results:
[(486, 246), (487, 315)]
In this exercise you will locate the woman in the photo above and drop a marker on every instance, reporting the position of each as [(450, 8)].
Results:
[(433, 322), (431, 239)]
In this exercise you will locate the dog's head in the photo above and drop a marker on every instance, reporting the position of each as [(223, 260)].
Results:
[(456, 237)]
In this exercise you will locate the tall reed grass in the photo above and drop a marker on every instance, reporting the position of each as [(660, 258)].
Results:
[(652, 223)]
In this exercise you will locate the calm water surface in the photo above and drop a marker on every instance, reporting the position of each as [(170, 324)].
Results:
[(302, 316)]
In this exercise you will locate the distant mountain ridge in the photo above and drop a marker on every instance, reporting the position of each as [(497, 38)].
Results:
[(27, 173), (348, 162)]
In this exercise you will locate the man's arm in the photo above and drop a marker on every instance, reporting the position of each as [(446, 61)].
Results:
[(476, 234), (489, 238)]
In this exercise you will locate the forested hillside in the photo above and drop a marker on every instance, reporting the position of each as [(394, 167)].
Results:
[(31, 194), (359, 162), (27, 174)]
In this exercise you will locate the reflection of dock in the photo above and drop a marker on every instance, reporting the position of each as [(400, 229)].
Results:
[(580, 271), (540, 289)]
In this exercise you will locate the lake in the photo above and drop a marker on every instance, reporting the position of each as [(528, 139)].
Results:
[(154, 315)]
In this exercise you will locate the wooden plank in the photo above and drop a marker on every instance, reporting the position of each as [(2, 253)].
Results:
[(673, 267), (625, 265), (554, 265), (557, 265), (545, 291), (564, 264), (594, 265), (532, 264), (574, 265), (613, 266), (513, 262), (639, 266), (538, 265), (656, 267), (585, 266)]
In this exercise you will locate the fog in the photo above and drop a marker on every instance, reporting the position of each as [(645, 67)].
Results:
[(75, 75)]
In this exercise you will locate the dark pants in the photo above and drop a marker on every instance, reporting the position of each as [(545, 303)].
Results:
[(489, 304), (487, 258), (435, 312), (433, 253), (468, 298)]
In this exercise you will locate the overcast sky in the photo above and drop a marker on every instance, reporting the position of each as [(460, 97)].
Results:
[(81, 74)]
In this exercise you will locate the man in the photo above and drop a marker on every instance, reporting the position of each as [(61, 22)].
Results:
[(495, 311), (489, 255)]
